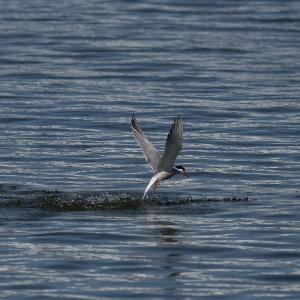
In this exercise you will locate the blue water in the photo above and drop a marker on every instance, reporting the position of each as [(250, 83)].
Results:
[(72, 225)]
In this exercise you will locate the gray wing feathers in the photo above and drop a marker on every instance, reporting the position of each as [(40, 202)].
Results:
[(173, 146), (151, 154)]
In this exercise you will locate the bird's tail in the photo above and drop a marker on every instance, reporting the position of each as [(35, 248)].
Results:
[(150, 184)]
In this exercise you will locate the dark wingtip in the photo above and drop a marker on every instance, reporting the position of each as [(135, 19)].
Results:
[(133, 119), (134, 123)]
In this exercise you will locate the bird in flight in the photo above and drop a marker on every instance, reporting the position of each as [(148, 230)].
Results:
[(162, 166)]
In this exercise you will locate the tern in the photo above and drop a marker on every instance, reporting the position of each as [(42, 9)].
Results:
[(162, 166)]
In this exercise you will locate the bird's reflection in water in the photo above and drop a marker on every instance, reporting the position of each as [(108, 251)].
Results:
[(171, 254), (168, 234)]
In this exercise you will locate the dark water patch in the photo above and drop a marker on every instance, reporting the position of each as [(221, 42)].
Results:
[(79, 237), (29, 286), (279, 20), (4, 61), (69, 265), (16, 36), (284, 254), (218, 50), (280, 277), (16, 119)]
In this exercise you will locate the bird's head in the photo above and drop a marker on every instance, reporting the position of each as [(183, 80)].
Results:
[(182, 170)]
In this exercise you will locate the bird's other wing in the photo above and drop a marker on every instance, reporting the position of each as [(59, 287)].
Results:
[(151, 154), (173, 146)]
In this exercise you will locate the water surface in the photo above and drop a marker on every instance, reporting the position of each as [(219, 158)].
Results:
[(71, 223)]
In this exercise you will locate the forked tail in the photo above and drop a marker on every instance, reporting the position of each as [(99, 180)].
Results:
[(150, 184)]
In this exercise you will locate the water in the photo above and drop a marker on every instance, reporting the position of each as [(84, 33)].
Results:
[(72, 225)]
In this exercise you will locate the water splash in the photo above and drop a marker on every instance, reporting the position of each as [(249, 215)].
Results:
[(18, 196)]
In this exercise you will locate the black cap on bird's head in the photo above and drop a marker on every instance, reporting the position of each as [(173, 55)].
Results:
[(182, 170)]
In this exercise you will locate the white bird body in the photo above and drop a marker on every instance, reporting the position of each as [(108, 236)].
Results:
[(163, 167)]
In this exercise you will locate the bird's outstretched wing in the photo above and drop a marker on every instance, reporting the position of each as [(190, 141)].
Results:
[(173, 146), (151, 154)]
